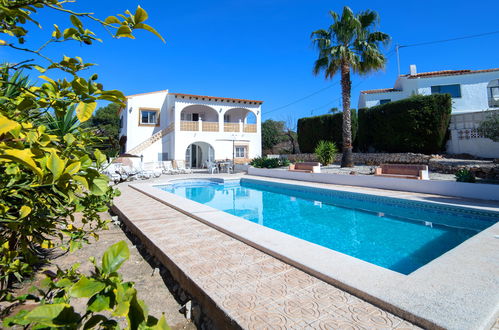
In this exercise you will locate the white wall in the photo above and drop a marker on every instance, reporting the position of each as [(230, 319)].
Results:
[(176, 142), (445, 188), (137, 134), (474, 95)]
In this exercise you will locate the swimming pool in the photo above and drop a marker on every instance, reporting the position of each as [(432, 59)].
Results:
[(392, 233)]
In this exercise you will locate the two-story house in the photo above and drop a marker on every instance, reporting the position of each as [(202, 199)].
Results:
[(475, 95), (173, 126)]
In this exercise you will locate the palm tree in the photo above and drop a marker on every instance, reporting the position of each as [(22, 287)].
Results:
[(349, 44)]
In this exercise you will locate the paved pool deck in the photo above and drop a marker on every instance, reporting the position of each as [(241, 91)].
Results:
[(245, 287)]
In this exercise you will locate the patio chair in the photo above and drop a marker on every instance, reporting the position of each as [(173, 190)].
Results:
[(128, 173), (168, 167), (181, 167), (112, 173), (212, 167), (152, 168)]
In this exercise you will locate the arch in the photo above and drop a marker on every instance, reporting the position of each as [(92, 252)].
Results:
[(198, 153), (493, 93), (234, 115), (199, 111)]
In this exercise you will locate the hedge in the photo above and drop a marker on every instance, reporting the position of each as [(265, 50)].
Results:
[(328, 127), (417, 124)]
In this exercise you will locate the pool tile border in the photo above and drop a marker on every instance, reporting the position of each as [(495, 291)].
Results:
[(412, 297)]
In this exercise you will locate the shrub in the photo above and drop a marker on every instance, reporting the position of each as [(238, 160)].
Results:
[(328, 127), (490, 127), (264, 162), (104, 291), (417, 124), (465, 175), (326, 152)]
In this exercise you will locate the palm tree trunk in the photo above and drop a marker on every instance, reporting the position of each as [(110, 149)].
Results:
[(346, 86)]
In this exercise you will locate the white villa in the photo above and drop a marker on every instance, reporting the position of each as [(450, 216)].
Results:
[(172, 126), (475, 94)]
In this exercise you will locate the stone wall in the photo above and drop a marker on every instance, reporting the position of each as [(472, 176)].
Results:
[(369, 158), (480, 168)]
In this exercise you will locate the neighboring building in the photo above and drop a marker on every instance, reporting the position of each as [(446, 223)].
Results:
[(195, 128), (475, 95)]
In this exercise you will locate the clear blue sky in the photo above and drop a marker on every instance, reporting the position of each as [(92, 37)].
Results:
[(261, 49)]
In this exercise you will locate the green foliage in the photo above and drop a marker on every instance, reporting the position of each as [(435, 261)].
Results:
[(272, 133), (416, 124), (465, 175), (50, 169), (104, 291), (490, 127), (327, 127), (105, 124), (265, 162), (326, 152)]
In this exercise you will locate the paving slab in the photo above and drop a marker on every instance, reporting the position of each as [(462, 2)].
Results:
[(239, 285)]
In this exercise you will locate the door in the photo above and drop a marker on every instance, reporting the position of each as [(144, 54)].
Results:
[(194, 156)]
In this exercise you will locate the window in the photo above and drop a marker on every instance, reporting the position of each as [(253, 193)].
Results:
[(226, 118), (240, 151), (149, 117), (190, 116), (453, 90), (384, 101)]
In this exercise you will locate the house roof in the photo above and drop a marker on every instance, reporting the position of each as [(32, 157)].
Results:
[(161, 91), (215, 98), (383, 90), (446, 73)]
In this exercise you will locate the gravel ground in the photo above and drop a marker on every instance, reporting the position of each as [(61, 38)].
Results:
[(369, 170), (151, 286)]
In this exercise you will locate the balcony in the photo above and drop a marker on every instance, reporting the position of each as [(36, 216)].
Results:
[(209, 126)]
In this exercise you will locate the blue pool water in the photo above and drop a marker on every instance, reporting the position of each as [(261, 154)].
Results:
[(395, 234)]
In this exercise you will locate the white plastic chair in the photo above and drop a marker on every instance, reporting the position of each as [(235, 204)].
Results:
[(181, 167), (168, 167), (212, 167), (152, 169)]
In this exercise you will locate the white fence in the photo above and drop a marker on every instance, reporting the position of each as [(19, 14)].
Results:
[(445, 188)]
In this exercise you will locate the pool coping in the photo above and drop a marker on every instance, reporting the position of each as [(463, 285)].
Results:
[(460, 289)]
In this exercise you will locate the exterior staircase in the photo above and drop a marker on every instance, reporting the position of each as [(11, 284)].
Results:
[(155, 137)]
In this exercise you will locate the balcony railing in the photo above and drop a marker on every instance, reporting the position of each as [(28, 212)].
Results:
[(209, 126), (249, 128), (231, 127), (189, 125)]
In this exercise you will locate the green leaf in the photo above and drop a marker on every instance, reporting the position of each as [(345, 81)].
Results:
[(112, 20), (73, 168), (99, 185), (7, 125), (84, 110), (124, 31), (24, 156), (76, 22), (150, 29), (162, 324), (86, 288), (99, 156), (45, 314), (25, 211), (99, 303), (55, 165), (140, 15), (114, 257)]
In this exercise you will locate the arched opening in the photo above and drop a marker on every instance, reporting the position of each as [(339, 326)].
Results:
[(233, 117), (193, 114), (493, 93), (198, 154)]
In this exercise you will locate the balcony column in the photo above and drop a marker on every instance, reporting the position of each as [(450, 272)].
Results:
[(221, 120)]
